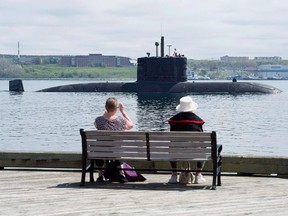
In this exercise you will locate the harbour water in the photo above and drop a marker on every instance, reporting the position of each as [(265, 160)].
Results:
[(254, 124)]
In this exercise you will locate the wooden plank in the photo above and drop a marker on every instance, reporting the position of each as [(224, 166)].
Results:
[(177, 138), (115, 143), (116, 155), (180, 151), (179, 157), (115, 135), (58, 193), (116, 148), (111, 138), (180, 144), (179, 134)]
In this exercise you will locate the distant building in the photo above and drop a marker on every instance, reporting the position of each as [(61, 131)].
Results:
[(95, 60), (273, 71), (81, 61), (67, 61), (234, 58), (273, 58), (110, 61)]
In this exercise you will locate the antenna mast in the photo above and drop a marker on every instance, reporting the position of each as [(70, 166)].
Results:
[(18, 50)]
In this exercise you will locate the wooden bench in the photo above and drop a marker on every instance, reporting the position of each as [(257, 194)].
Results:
[(150, 146)]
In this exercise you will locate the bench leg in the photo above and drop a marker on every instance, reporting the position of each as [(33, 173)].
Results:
[(219, 164), (214, 182), (215, 172), (82, 183), (91, 170), (219, 183)]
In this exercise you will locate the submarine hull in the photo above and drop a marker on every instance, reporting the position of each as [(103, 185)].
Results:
[(179, 87)]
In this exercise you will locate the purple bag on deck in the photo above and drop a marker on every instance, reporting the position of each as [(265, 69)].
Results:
[(132, 175)]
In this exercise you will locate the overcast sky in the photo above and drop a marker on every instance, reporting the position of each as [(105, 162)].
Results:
[(206, 29)]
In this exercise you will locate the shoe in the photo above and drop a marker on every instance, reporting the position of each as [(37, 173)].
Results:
[(173, 180), (100, 179), (199, 179), (122, 179)]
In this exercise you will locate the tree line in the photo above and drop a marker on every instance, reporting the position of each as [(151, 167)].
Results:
[(215, 69)]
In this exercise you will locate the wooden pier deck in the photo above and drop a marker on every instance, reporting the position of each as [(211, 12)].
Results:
[(57, 192)]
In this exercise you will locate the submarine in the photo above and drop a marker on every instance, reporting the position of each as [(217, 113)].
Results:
[(166, 74)]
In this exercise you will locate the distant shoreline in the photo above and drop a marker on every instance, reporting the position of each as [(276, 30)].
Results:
[(53, 71)]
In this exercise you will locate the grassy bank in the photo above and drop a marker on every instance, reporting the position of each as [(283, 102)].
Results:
[(57, 71)]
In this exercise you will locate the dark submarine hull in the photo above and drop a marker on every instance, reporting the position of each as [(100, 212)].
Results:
[(179, 87), (166, 74)]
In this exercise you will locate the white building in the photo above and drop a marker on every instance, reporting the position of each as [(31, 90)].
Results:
[(273, 71), (272, 58)]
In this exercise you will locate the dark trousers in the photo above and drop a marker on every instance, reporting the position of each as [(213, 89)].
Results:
[(100, 163)]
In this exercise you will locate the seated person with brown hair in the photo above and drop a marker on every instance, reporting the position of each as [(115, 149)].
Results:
[(110, 121)]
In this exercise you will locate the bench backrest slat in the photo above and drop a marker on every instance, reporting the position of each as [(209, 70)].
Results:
[(160, 144), (97, 134), (109, 143), (117, 155), (117, 149), (152, 145), (176, 150)]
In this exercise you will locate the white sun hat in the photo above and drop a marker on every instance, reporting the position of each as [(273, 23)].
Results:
[(186, 105)]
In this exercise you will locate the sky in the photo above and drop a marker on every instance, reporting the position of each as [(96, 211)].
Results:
[(206, 29)]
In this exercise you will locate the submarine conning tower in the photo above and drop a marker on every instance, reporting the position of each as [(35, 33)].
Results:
[(163, 69)]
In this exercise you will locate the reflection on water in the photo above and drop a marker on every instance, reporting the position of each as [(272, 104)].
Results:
[(154, 110), (245, 124)]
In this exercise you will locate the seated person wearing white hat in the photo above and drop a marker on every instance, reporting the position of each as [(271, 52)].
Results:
[(186, 120)]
